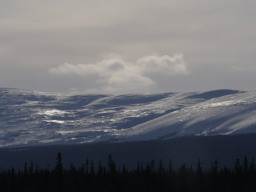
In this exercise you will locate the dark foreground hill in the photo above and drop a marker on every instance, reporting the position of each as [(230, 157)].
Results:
[(188, 150)]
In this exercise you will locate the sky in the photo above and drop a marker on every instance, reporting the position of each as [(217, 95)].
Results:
[(127, 46)]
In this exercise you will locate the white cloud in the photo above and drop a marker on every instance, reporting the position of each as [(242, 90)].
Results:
[(115, 75), (174, 65)]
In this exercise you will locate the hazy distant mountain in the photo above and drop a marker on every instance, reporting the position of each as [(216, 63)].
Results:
[(37, 118)]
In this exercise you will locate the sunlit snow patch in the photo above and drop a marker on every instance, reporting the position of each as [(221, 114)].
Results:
[(55, 121), (52, 112)]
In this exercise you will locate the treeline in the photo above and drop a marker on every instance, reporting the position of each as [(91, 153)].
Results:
[(152, 176)]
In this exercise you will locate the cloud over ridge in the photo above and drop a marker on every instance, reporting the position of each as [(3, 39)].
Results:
[(118, 75)]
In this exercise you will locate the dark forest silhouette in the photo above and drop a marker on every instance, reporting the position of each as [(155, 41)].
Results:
[(151, 176)]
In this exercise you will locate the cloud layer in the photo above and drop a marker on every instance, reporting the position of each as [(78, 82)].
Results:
[(116, 75), (217, 38)]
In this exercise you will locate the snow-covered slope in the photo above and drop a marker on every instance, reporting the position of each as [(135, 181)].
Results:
[(36, 118), (230, 114)]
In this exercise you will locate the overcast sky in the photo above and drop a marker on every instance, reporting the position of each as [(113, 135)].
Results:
[(127, 46)]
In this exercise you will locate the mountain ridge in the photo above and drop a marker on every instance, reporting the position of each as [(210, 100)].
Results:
[(30, 118)]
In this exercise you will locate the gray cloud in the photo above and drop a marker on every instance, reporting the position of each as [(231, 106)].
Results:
[(116, 75), (163, 64), (217, 38)]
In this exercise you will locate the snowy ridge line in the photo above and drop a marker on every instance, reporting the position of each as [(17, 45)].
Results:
[(37, 118)]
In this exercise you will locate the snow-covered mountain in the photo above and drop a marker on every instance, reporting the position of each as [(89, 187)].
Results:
[(38, 118)]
